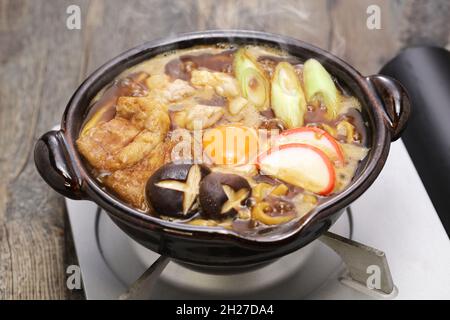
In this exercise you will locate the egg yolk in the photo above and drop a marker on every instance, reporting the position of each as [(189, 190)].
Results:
[(230, 145)]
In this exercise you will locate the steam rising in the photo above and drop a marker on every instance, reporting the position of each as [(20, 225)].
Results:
[(307, 21)]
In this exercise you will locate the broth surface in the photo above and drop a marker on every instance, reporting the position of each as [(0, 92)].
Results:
[(198, 136)]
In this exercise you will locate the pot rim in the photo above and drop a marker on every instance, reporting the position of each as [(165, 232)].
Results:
[(95, 192)]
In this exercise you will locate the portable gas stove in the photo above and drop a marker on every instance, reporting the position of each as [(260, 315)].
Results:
[(395, 215)]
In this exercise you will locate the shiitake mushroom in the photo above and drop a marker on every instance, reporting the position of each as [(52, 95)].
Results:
[(222, 194), (173, 189)]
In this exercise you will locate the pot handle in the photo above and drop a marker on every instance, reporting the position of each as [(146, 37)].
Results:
[(396, 103), (53, 164)]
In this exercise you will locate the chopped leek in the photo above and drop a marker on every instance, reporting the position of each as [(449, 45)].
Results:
[(320, 86), (288, 99), (254, 84)]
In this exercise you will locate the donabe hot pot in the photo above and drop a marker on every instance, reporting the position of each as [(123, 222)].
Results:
[(385, 107)]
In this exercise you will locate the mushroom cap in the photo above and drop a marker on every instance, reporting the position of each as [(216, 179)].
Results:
[(169, 201), (213, 194)]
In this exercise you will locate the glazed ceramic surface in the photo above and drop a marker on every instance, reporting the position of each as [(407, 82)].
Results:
[(385, 107)]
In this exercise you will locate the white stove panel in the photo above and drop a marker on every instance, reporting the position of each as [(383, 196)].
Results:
[(395, 215)]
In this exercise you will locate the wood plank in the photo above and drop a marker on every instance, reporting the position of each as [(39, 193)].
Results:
[(38, 63), (425, 23), (353, 41), (305, 20), (403, 23)]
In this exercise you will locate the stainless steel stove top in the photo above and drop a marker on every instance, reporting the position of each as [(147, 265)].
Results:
[(395, 215)]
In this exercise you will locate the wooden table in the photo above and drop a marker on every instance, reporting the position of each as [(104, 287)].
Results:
[(42, 62)]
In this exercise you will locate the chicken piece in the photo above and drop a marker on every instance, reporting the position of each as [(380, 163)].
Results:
[(236, 105), (227, 86), (157, 81), (224, 84), (164, 92), (102, 142), (181, 146), (177, 90), (198, 117), (200, 78), (248, 116), (129, 184)]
